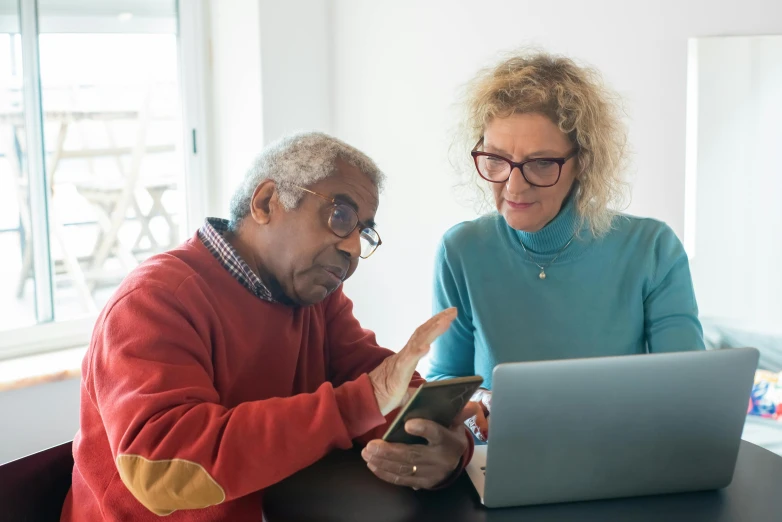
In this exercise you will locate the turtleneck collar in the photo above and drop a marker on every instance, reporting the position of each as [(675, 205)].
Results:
[(555, 235)]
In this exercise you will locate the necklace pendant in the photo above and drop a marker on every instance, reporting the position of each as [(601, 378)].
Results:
[(542, 274)]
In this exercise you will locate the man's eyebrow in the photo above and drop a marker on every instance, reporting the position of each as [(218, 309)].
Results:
[(344, 198)]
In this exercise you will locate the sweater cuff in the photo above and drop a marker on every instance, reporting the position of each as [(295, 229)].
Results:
[(466, 458), (358, 406)]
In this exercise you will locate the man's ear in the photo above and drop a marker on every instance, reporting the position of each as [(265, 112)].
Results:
[(264, 202)]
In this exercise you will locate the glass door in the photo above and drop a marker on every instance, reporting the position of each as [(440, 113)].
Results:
[(112, 167), (92, 160)]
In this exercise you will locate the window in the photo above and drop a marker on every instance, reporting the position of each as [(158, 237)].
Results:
[(92, 156)]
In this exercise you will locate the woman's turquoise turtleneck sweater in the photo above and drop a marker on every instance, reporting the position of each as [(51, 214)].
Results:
[(628, 292)]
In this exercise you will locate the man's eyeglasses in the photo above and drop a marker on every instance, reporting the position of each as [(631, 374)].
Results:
[(538, 172), (343, 220)]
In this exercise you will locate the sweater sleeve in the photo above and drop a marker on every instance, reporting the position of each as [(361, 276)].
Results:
[(354, 352), (175, 446), (453, 354), (670, 311)]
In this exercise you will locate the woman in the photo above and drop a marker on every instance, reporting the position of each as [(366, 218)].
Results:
[(554, 273)]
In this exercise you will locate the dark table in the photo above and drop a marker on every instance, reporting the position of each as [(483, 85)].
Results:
[(341, 488)]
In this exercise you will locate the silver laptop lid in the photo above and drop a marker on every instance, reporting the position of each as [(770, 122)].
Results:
[(586, 429)]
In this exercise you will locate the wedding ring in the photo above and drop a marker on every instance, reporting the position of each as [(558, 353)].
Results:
[(415, 469)]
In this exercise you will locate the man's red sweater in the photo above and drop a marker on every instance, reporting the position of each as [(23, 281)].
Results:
[(196, 394)]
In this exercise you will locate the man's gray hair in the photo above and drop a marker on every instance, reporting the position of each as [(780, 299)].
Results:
[(299, 159)]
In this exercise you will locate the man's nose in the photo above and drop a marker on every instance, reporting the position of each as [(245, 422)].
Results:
[(351, 244)]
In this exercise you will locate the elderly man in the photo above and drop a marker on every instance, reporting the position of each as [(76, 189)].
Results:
[(226, 365)]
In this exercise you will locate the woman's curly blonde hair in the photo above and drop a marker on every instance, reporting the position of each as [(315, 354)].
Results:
[(578, 102)]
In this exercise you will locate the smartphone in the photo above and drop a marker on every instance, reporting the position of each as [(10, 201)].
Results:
[(438, 401)]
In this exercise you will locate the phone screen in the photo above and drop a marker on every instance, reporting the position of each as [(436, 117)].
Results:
[(438, 401)]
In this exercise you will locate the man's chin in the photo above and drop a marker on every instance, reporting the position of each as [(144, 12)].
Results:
[(330, 289), (317, 293)]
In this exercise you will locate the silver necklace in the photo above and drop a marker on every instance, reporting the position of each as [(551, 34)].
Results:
[(543, 268)]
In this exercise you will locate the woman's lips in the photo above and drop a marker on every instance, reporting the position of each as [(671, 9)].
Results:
[(519, 205)]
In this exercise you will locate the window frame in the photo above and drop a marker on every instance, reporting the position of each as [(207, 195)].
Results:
[(47, 334)]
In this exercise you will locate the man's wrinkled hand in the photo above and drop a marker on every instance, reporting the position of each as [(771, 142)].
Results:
[(392, 377), (421, 466)]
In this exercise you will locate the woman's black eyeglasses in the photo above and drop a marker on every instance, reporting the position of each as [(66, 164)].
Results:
[(538, 172)]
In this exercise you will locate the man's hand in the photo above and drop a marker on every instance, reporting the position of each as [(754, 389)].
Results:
[(421, 466), (391, 379)]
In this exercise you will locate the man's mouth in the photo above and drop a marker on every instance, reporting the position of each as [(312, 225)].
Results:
[(336, 273)]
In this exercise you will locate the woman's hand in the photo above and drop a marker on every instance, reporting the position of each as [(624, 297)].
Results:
[(479, 424)]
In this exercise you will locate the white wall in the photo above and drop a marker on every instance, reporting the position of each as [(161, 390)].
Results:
[(296, 61), (236, 128), (738, 218), (397, 67), (271, 75), (38, 417)]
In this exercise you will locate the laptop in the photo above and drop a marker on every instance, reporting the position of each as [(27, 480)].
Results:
[(612, 427)]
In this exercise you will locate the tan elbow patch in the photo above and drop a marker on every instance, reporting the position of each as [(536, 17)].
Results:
[(164, 486)]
